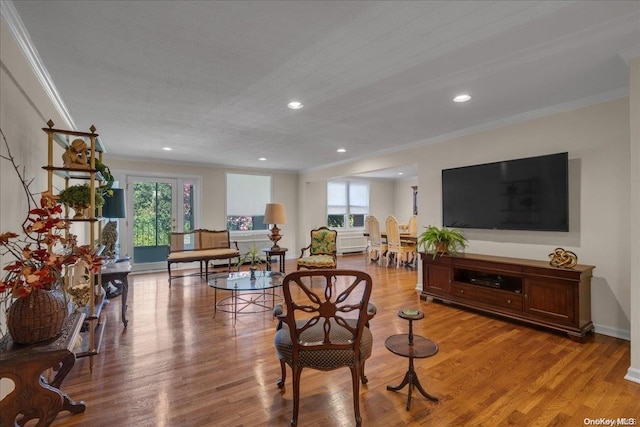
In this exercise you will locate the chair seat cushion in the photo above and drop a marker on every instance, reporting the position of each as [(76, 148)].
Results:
[(317, 261), (324, 360)]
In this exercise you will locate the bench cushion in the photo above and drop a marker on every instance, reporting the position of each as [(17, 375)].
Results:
[(203, 254)]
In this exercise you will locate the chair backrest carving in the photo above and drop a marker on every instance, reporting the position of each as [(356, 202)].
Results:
[(340, 307), (374, 231), (393, 233), (413, 225)]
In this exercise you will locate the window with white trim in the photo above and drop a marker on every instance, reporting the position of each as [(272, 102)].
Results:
[(347, 203), (247, 196)]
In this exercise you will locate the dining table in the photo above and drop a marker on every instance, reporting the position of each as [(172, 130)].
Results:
[(403, 236)]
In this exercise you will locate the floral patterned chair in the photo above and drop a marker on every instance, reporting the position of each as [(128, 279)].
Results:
[(322, 250)]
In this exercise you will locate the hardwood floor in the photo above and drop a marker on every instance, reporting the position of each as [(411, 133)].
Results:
[(175, 365)]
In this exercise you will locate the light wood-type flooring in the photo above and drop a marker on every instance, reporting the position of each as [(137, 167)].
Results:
[(176, 365)]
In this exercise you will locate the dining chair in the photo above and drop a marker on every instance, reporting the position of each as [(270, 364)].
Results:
[(376, 246), (413, 226), (367, 233), (413, 232), (395, 246), (326, 330)]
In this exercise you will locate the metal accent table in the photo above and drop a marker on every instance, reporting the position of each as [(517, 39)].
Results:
[(248, 295), (408, 345)]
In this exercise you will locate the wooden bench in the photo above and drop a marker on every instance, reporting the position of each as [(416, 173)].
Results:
[(200, 246)]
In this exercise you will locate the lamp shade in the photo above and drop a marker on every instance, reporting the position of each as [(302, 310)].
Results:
[(274, 214), (114, 205)]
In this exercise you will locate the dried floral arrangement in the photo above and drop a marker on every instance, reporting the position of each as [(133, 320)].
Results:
[(42, 252)]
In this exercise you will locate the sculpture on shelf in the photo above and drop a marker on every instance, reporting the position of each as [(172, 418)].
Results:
[(562, 258), (78, 284), (75, 155), (110, 238)]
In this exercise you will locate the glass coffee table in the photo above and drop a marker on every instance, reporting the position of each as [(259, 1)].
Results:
[(248, 295)]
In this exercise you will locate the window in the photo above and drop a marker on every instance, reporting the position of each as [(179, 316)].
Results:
[(347, 203), (247, 196)]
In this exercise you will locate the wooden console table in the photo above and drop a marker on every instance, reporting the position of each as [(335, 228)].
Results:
[(33, 396), (527, 290)]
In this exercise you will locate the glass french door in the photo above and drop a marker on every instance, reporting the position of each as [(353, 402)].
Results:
[(157, 206)]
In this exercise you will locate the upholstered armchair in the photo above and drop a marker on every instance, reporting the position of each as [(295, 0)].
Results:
[(325, 330), (321, 251)]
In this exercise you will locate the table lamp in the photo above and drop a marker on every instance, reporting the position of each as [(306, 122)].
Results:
[(114, 207), (274, 214)]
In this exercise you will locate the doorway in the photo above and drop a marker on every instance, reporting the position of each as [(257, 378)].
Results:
[(157, 207)]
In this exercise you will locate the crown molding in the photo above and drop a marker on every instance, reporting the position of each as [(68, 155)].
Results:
[(530, 115), (630, 53), (21, 35)]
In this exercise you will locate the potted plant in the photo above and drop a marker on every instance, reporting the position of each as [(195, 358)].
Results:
[(78, 197), (105, 189), (441, 240), (253, 257)]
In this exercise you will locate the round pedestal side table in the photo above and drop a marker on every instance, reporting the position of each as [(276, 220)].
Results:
[(411, 346)]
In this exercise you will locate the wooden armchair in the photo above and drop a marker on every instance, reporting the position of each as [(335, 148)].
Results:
[(322, 250), (325, 330)]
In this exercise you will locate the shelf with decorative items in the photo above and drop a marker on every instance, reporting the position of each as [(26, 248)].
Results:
[(82, 161)]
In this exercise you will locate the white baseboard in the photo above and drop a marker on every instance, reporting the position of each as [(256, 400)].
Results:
[(633, 374), (624, 334)]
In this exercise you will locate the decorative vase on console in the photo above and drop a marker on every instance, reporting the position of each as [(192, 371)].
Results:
[(38, 317)]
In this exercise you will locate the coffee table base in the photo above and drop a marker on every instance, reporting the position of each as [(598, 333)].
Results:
[(246, 303)]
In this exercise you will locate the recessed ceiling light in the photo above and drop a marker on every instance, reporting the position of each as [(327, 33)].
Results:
[(462, 98), (262, 159), (400, 173), (341, 150), (295, 105), (167, 148)]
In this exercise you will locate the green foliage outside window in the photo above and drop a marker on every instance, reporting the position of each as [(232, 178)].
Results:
[(338, 221), (152, 217)]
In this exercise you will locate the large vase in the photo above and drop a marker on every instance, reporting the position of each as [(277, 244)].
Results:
[(38, 317)]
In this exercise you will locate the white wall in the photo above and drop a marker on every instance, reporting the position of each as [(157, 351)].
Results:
[(212, 212), (24, 110), (634, 91), (597, 139), (403, 198)]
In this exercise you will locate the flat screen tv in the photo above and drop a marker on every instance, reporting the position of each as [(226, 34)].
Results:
[(521, 194)]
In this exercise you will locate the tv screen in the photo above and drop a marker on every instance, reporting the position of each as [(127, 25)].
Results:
[(522, 194)]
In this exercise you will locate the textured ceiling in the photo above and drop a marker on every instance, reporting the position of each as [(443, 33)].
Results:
[(212, 79)]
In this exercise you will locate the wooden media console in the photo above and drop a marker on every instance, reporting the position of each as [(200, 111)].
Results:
[(521, 289)]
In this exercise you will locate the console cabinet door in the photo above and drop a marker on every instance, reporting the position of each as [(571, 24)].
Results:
[(550, 299), (438, 279)]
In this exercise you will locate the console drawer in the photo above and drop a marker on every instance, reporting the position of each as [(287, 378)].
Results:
[(493, 297)]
